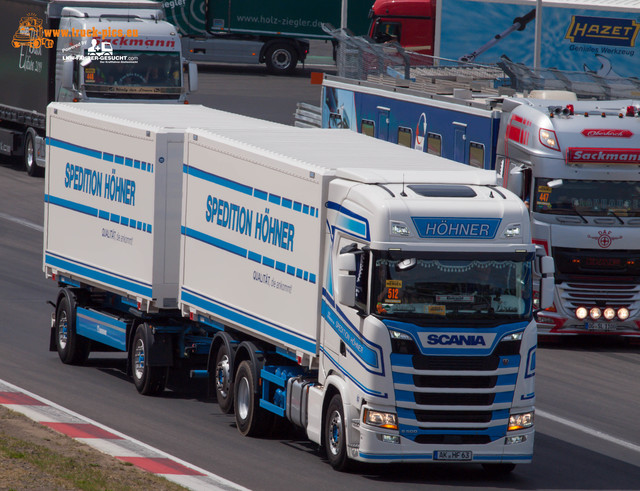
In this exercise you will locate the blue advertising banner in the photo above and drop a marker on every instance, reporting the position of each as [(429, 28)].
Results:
[(584, 40)]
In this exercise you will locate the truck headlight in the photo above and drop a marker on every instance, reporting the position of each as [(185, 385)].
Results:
[(520, 421), (380, 419)]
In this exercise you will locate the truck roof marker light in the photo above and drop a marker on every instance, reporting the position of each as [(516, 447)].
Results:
[(548, 139), (512, 231), (603, 114), (401, 229), (570, 109), (631, 111)]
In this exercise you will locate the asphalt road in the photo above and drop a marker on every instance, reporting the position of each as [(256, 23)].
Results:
[(588, 393)]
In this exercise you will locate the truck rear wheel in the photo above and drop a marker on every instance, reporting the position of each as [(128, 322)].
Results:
[(224, 387), (149, 380), (251, 419), (72, 349), (30, 164), (335, 438), (281, 58)]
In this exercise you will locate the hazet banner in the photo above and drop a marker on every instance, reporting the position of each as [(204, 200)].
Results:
[(584, 40)]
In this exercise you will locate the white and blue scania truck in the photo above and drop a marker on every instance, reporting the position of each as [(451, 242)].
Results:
[(377, 297)]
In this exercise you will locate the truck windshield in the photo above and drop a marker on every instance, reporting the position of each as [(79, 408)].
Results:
[(137, 72), (587, 198), (449, 289)]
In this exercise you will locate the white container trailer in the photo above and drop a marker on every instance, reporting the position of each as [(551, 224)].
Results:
[(112, 218), (379, 298)]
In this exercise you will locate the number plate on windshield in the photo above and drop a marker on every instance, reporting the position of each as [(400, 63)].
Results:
[(455, 455)]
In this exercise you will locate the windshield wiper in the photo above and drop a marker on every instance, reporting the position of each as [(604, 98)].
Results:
[(574, 210), (611, 212)]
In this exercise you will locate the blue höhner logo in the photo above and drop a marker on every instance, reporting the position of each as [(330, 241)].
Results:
[(456, 228)]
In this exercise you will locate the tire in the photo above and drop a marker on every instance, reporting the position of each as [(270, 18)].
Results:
[(498, 469), (223, 379), (251, 419), (30, 164), (72, 349), (149, 380), (281, 58), (335, 438)]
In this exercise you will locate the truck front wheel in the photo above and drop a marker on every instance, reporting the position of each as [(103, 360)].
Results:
[(335, 439), (251, 419), (281, 58), (72, 349), (149, 380), (224, 387)]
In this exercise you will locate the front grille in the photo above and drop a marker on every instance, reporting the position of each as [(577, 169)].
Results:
[(453, 417), (454, 399), (456, 363), (457, 382), (575, 294)]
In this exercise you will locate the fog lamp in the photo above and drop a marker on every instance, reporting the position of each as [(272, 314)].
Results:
[(623, 313), (581, 313)]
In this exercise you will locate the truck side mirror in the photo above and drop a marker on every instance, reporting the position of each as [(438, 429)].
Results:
[(193, 77), (346, 266), (547, 283), (515, 184)]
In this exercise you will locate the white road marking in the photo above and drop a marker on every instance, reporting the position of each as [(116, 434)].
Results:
[(22, 222), (588, 430)]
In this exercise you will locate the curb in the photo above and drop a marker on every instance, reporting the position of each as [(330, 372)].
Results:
[(111, 442)]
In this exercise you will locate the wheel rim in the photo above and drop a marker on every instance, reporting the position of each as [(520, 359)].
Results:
[(335, 432), (243, 398), (222, 376), (30, 153), (138, 356), (281, 59), (63, 326)]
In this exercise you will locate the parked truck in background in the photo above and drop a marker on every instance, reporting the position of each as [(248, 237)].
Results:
[(590, 36), (275, 33), (575, 161), (81, 50), (379, 298)]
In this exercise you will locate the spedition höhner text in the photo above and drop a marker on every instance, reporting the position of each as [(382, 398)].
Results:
[(260, 225), (96, 183)]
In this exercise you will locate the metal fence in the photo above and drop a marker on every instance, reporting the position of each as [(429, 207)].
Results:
[(358, 57)]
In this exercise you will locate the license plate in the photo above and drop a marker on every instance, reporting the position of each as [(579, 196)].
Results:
[(600, 326), (453, 455)]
